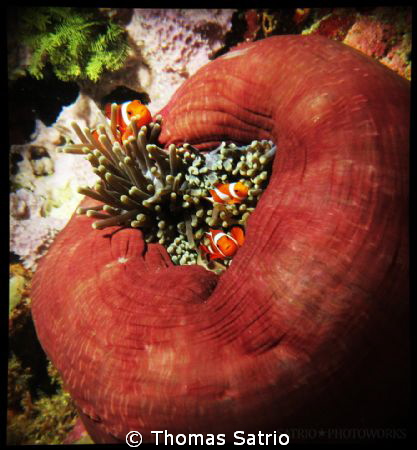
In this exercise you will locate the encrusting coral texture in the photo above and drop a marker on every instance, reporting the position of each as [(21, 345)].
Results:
[(384, 33), (310, 323), (175, 43), (45, 192)]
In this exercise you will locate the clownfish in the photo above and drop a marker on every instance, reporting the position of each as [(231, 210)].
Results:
[(223, 245), (228, 193), (125, 112)]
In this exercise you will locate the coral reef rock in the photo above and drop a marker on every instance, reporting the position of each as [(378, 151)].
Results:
[(45, 185), (384, 33), (174, 44)]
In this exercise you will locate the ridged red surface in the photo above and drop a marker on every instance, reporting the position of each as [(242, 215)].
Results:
[(309, 325)]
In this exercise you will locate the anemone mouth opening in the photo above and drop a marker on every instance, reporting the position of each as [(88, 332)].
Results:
[(192, 201)]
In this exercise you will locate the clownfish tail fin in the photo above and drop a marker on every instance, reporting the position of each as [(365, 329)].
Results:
[(204, 248), (238, 234)]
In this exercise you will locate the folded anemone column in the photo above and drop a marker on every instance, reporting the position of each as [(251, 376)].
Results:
[(308, 325)]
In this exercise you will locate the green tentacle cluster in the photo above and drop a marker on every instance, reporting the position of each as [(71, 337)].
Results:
[(79, 43), (165, 192)]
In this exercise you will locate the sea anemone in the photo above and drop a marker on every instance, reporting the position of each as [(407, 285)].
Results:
[(165, 192), (309, 324)]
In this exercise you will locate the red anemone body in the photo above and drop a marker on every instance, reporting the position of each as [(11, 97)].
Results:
[(309, 324)]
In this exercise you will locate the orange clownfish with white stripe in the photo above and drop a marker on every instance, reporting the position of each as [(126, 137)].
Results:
[(223, 245), (125, 112), (228, 193)]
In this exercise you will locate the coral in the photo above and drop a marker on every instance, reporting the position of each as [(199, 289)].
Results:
[(253, 24), (386, 37), (262, 23), (78, 435), (44, 420), (19, 297), (30, 238), (16, 288), (165, 192), (37, 212), (18, 385), (334, 25), (79, 43), (19, 280), (301, 15), (269, 23), (382, 33), (44, 184), (38, 411), (309, 324), (370, 36), (35, 217), (174, 43), (398, 57), (19, 204)]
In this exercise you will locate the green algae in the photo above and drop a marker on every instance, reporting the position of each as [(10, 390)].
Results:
[(39, 411), (78, 43), (16, 289), (46, 419)]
